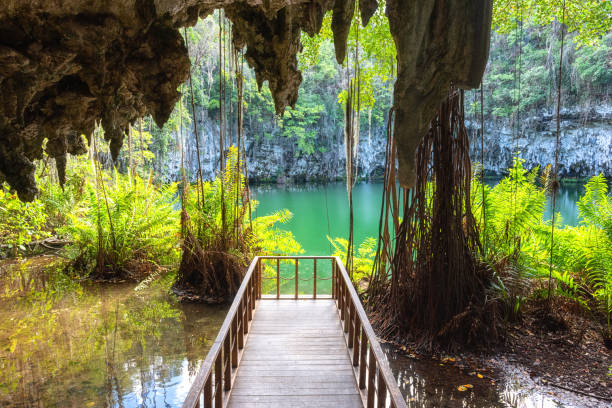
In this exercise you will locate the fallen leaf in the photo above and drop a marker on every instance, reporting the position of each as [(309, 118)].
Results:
[(468, 386), (462, 388), (479, 375)]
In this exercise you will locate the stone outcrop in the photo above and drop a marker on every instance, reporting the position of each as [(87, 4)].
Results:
[(67, 64)]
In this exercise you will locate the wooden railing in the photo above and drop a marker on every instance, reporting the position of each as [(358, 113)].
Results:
[(296, 278), (213, 381), (379, 387)]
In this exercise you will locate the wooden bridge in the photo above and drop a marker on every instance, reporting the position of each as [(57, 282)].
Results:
[(298, 350)]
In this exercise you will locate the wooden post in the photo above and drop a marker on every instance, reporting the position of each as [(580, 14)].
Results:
[(356, 332), (382, 391), (296, 278), (227, 384), (277, 278), (234, 338), (245, 311), (314, 288), (371, 377), (208, 392), (249, 295), (333, 265), (344, 306), (252, 294), (364, 355), (349, 323), (240, 314), (259, 280), (218, 380)]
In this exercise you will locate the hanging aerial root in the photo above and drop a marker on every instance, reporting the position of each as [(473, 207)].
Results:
[(437, 294)]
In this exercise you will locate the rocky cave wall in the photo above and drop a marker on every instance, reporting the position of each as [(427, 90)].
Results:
[(67, 64)]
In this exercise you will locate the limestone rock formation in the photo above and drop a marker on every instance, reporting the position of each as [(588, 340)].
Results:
[(438, 43), (67, 64)]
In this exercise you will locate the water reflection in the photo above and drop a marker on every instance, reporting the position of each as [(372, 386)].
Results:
[(107, 346)]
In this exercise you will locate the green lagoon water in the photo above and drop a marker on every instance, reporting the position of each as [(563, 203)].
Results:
[(322, 210)]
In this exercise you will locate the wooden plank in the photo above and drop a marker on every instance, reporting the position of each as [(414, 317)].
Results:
[(296, 353), (295, 356), (297, 401)]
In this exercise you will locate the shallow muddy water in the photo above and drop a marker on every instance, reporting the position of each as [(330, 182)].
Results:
[(432, 384)]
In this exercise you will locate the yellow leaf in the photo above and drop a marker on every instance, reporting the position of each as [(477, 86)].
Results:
[(462, 388), (468, 386), (479, 375)]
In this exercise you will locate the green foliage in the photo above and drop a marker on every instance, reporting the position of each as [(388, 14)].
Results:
[(595, 209), (124, 228), (270, 240), (20, 222), (222, 201), (518, 241), (59, 202), (522, 74), (300, 123), (363, 259), (588, 19), (514, 208)]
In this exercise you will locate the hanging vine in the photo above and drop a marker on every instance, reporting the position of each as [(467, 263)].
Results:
[(553, 186)]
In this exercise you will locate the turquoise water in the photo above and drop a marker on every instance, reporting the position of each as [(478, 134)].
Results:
[(322, 210)]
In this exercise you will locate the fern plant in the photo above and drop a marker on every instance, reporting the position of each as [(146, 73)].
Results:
[(124, 230), (219, 237), (363, 260)]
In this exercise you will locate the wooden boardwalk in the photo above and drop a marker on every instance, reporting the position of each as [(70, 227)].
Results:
[(298, 351), (295, 356)]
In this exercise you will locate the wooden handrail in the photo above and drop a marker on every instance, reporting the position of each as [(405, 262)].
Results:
[(379, 389), (202, 384), (360, 328)]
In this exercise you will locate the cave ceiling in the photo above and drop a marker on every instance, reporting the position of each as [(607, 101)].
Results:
[(66, 65)]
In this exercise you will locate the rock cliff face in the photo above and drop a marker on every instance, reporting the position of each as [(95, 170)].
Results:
[(586, 150), (66, 64), (585, 142), (277, 160)]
